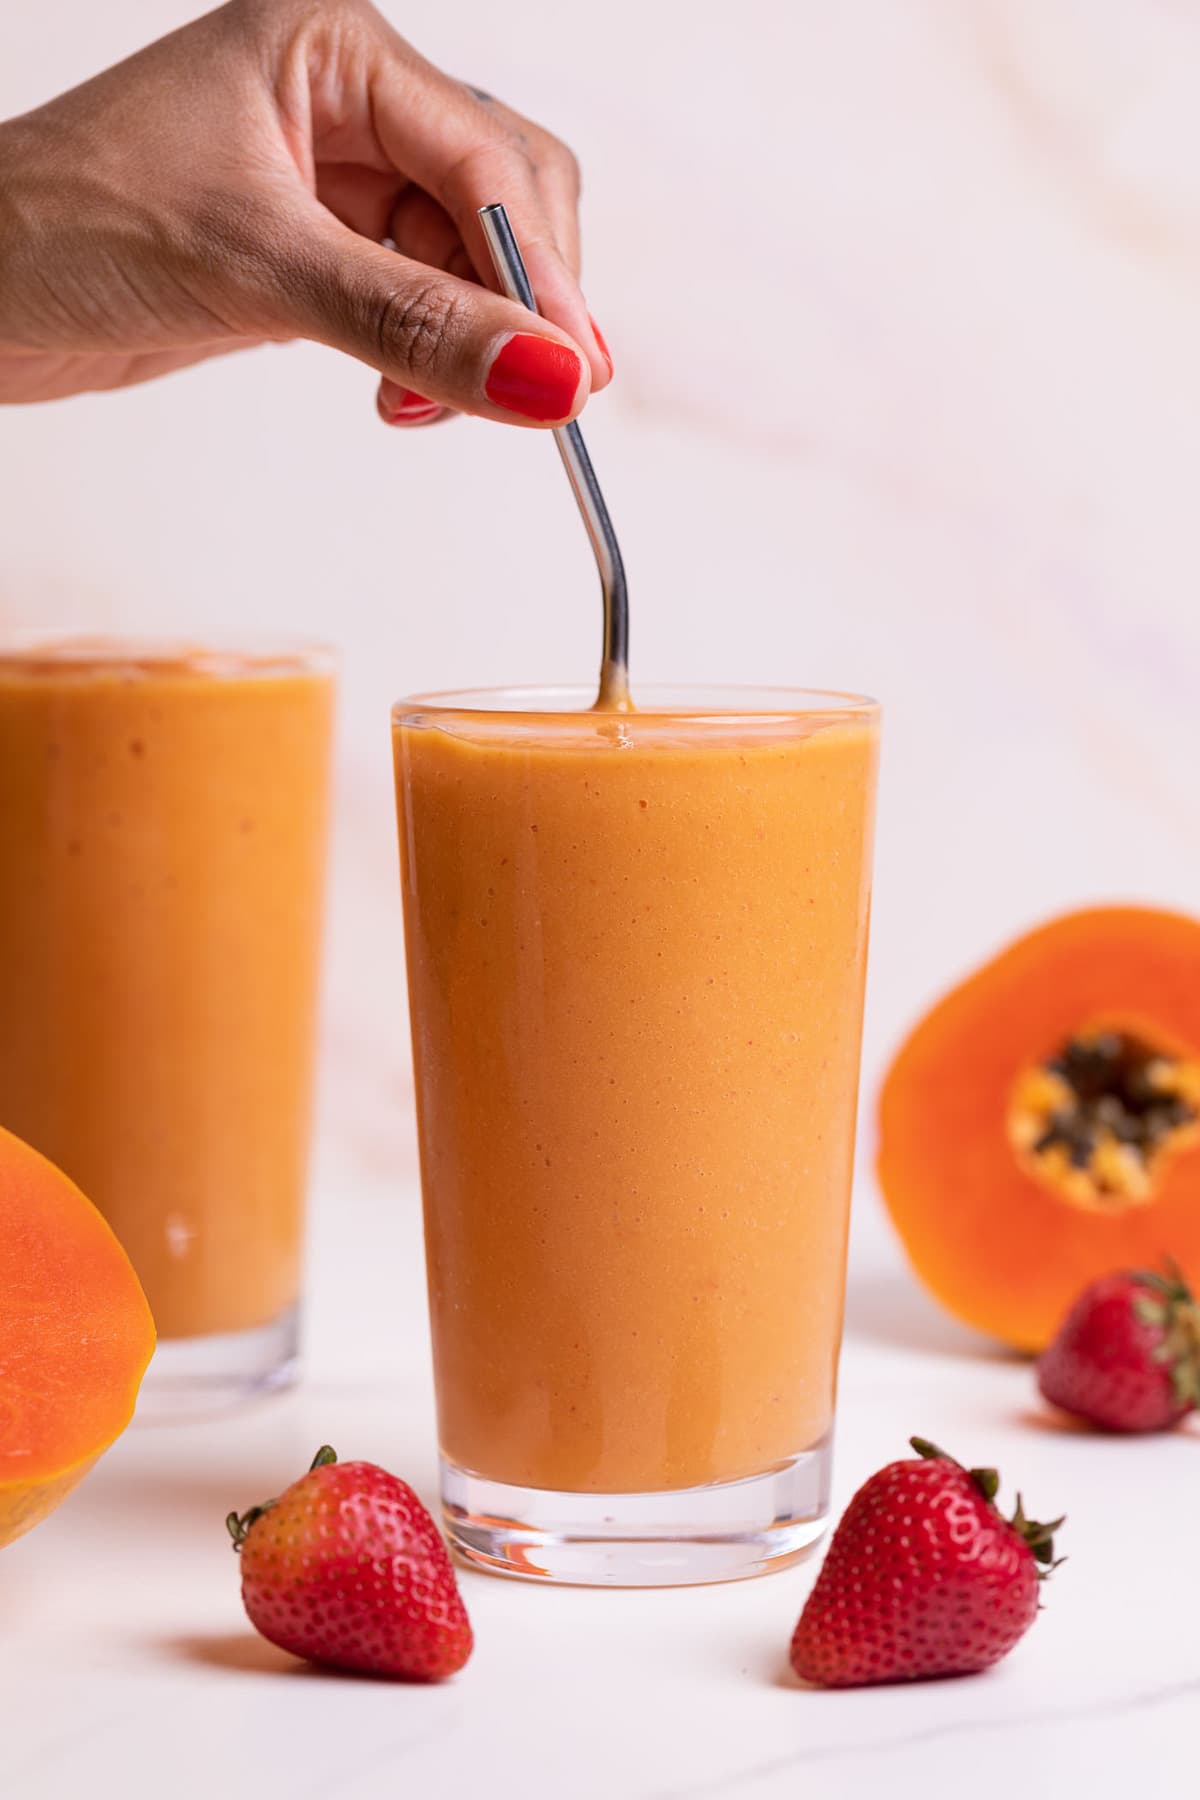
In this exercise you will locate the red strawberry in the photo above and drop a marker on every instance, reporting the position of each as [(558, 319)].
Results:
[(1127, 1355), (923, 1577), (347, 1567)]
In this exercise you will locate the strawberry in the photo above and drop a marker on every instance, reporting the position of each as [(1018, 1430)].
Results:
[(923, 1577), (346, 1567), (1127, 1355)]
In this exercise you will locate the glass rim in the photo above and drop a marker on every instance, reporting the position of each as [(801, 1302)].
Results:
[(223, 655), (720, 703)]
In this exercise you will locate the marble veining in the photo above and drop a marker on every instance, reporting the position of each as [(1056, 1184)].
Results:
[(743, 1781)]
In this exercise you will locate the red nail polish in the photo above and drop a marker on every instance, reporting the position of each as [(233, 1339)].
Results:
[(409, 401), (603, 347), (534, 376), (409, 409)]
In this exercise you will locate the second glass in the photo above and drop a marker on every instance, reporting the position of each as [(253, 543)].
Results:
[(636, 954), (162, 857)]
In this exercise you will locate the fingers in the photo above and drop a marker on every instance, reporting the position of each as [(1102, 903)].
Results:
[(500, 170), (555, 169), (432, 335), (400, 406), (467, 152), (421, 230), (361, 198), (424, 231)]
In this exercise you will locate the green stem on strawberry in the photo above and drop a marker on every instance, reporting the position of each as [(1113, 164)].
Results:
[(238, 1524), (1037, 1534), (1174, 1311)]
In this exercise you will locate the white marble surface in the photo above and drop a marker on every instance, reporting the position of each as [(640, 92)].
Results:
[(127, 1667), (918, 406)]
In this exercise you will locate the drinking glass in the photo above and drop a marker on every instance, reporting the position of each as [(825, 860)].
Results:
[(636, 953), (162, 856)]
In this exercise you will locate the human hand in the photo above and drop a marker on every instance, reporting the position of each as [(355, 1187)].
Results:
[(233, 183)]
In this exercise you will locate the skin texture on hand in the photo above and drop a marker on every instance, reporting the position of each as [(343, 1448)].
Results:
[(282, 169)]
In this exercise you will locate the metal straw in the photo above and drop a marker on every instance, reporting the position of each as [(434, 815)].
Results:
[(614, 669)]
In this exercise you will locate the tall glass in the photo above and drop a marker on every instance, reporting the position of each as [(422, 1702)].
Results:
[(636, 952), (162, 855)]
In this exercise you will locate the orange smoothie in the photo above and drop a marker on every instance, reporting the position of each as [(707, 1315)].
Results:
[(636, 954), (162, 845)]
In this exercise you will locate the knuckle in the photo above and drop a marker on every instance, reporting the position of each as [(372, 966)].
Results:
[(546, 154), (512, 143), (422, 327)]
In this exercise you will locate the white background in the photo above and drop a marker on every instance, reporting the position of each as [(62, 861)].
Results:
[(904, 303)]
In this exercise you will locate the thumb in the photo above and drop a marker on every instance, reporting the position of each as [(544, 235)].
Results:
[(454, 342)]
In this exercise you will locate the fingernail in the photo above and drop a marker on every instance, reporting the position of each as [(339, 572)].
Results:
[(408, 408), (534, 376), (600, 343)]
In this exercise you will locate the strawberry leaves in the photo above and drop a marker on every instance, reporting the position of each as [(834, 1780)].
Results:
[(1038, 1535), (1167, 1306), (238, 1524)]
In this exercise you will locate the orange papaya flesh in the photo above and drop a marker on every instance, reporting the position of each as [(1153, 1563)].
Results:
[(75, 1337), (1041, 1125)]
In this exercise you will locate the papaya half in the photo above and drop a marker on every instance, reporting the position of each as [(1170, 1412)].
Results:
[(1041, 1125), (75, 1337)]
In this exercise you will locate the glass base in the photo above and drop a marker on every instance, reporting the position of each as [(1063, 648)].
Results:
[(189, 1377), (724, 1532)]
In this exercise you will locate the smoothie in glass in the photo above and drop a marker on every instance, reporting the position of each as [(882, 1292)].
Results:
[(162, 849), (636, 954)]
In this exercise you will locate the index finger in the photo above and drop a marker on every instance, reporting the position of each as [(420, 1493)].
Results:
[(555, 168), (465, 154)]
